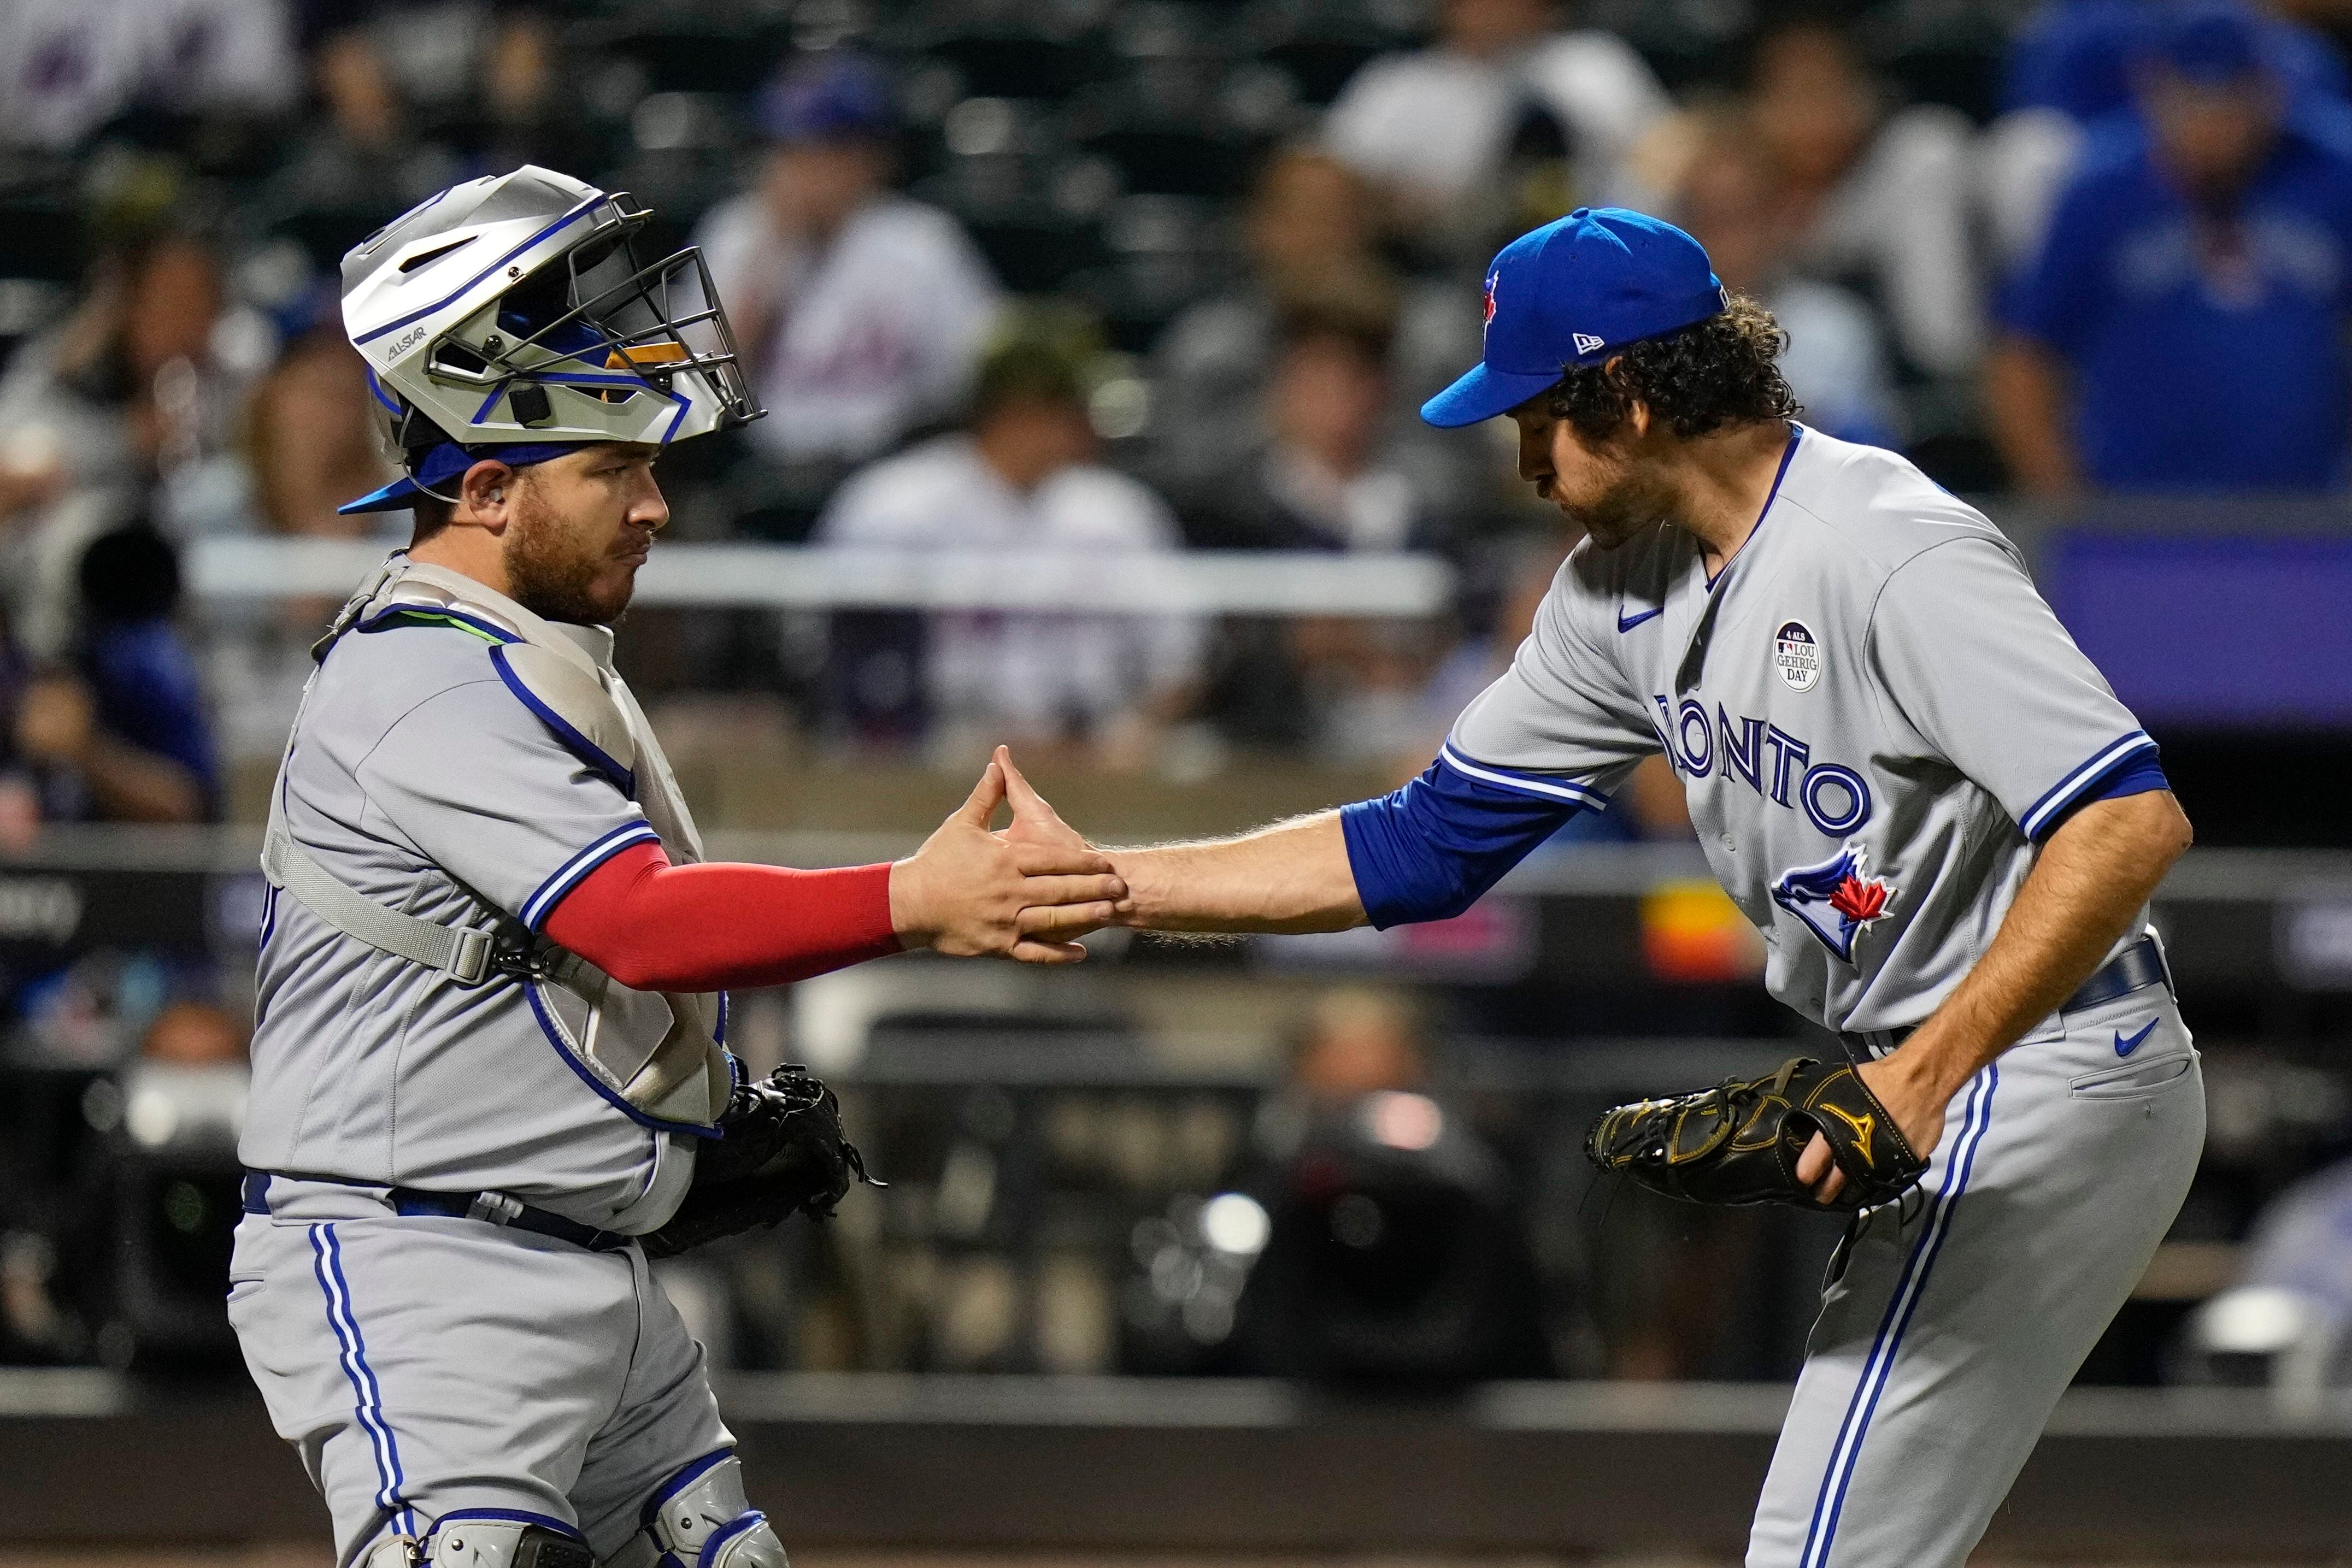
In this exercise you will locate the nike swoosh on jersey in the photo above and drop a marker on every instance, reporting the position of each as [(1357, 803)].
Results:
[(1627, 622), (2125, 1047)]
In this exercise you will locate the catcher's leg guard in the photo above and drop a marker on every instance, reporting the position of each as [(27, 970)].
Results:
[(702, 1519), (482, 1540)]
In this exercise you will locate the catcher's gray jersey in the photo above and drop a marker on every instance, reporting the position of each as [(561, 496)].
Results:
[(422, 777), (1873, 712)]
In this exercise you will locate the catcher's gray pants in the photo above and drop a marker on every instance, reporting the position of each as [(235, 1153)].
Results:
[(1952, 1322), (426, 1367)]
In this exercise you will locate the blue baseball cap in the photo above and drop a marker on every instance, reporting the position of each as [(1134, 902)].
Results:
[(2215, 45), (830, 97), (1570, 294)]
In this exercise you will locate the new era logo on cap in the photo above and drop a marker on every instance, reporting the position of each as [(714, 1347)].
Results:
[(1618, 276)]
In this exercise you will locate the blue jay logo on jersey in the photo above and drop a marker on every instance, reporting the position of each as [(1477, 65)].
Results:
[(1836, 898)]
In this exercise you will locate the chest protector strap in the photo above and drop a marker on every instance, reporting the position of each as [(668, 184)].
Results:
[(684, 1077)]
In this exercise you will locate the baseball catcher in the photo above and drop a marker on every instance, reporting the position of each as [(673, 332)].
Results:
[(490, 1073)]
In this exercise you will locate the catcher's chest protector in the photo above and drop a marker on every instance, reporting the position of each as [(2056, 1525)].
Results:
[(659, 1052)]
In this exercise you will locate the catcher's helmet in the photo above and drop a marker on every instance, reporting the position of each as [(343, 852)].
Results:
[(512, 313)]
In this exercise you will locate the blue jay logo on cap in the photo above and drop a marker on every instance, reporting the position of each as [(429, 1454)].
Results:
[(1492, 279)]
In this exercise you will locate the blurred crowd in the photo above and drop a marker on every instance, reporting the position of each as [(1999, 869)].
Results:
[(1116, 278)]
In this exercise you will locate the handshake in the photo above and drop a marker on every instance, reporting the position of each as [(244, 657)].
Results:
[(1027, 890)]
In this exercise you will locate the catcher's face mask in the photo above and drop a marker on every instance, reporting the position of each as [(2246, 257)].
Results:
[(519, 309)]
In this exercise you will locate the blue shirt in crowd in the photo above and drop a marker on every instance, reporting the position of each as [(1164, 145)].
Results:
[(146, 687), (2207, 354), (2076, 56)]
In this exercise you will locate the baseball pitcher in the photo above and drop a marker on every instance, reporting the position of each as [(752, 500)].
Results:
[(1906, 774)]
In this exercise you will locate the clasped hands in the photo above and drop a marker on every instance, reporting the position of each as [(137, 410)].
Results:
[(1026, 892)]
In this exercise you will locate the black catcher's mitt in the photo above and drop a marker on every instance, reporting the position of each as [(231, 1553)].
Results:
[(1739, 1143), (784, 1153)]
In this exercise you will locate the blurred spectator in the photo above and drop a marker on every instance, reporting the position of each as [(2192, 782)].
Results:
[(1359, 1041), (858, 311), (1438, 125), (421, 92), (480, 67), (1395, 1251), (120, 734), (311, 443), (1835, 361), (1321, 478), (2070, 67), (195, 1034), (1308, 226), (2290, 1311), (1024, 480), (310, 437), (1328, 473), (2182, 327), (1874, 197), (140, 386), (72, 65)]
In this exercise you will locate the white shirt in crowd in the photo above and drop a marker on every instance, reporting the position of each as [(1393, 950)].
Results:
[(1901, 218), (1836, 362), (67, 67), (1032, 673), (867, 337), (1440, 121)]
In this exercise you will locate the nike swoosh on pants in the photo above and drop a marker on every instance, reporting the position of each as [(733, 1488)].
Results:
[(2125, 1047)]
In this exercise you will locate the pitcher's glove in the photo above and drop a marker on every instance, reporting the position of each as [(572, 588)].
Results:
[(782, 1153), (1739, 1143)]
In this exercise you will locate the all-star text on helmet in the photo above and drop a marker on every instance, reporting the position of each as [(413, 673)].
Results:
[(513, 312)]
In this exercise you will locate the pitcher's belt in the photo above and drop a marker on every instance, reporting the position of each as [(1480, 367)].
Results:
[(491, 1207), (2136, 967)]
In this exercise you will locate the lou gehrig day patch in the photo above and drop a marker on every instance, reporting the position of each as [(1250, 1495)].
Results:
[(1797, 656)]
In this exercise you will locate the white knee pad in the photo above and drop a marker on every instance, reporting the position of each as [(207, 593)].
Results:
[(479, 1541), (708, 1523)]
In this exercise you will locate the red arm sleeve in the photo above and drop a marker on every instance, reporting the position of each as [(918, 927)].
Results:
[(655, 926)]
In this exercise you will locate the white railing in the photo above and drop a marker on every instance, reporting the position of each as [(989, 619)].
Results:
[(790, 577)]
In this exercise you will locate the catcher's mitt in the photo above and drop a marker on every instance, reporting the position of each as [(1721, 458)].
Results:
[(782, 1153), (1739, 1143)]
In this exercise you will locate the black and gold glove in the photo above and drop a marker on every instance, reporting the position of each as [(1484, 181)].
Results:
[(1739, 1143)]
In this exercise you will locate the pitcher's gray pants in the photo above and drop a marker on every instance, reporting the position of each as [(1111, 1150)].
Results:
[(1952, 1322), (427, 1367)]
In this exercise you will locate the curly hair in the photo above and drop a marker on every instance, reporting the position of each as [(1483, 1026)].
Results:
[(1695, 380)]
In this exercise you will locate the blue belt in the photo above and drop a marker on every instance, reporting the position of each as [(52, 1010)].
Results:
[(2139, 966), (491, 1207)]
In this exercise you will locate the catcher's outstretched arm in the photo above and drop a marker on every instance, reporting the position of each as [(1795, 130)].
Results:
[(653, 925)]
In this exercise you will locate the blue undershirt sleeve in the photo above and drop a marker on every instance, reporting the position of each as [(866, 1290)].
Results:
[(2137, 774), (1432, 849)]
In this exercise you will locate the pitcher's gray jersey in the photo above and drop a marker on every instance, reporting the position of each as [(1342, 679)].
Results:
[(1873, 712), (419, 778)]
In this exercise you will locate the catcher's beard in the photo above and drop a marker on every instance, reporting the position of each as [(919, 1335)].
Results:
[(555, 572)]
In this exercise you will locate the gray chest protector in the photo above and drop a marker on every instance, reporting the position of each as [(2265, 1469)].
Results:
[(656, 1053)]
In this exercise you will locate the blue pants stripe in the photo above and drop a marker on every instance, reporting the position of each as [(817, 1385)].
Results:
[(367, 1394), (1976, 1117)]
